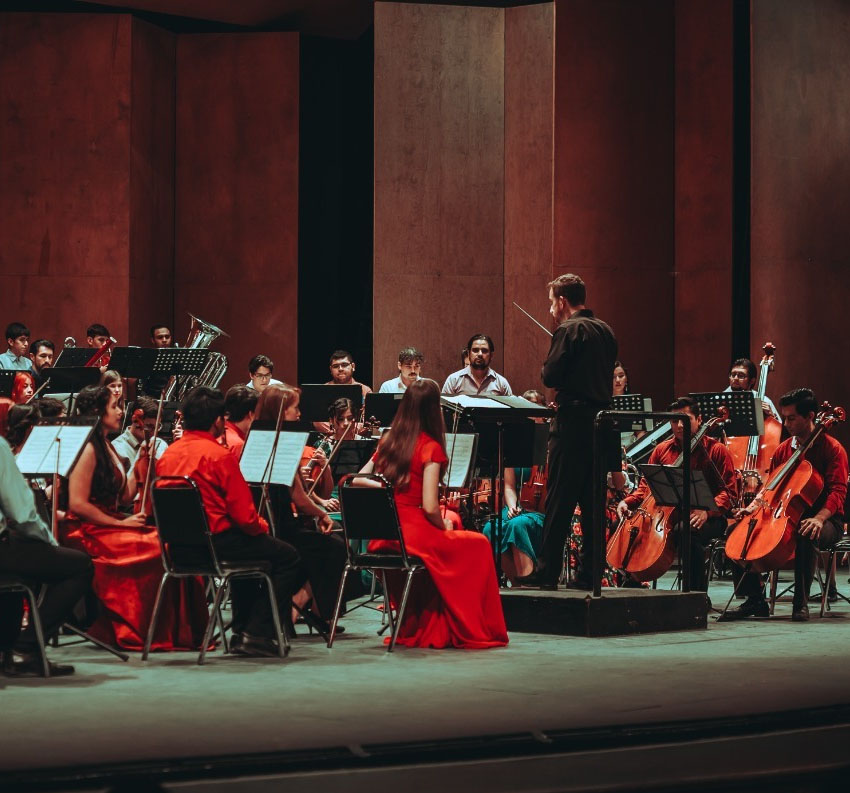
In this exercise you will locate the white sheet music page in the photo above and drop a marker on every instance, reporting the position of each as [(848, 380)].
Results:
[(256, 455), (459, 447)]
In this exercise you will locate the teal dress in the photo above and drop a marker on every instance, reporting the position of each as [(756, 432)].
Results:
[(525, 531)]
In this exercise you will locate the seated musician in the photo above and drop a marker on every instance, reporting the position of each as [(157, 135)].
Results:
[(129, 443), (125, 552), (822, 524), (238, 533), (41, 355), (710, 457), (261, 367), (478, 377), (342, 371), (240, 404), (161, 338), (410, 362), (322, 552), (18, 342), (28, 549), (743, 376)]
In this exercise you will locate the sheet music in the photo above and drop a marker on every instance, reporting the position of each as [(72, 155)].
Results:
[(460, 448), (257, 451), (465, 401), (38, 456)]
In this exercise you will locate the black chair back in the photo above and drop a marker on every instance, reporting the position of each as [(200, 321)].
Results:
[(368, 512), (182, 525)]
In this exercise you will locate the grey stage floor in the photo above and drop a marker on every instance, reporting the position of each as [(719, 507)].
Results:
[(356, 694)]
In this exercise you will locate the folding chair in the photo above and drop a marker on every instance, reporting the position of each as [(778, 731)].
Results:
[(14, 584), (369, 513), (183, 532)]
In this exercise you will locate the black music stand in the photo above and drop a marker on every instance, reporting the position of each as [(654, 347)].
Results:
[(746, 416), (636, 402), (70, 380), (7, 381), (316, 399), (489, 416), (383, 407), (72, 357)]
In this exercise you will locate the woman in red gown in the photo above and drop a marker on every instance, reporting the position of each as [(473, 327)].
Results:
[(457, 604), (125, 552)]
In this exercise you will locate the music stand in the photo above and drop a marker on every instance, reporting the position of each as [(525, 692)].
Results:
[(636, 402), (72, 357), (316, 399), (746, 416), (135, 362), (382, 407), (7, 381)]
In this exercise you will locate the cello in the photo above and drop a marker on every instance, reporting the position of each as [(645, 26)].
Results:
[(764, 537), (752, 455), (643, 545)]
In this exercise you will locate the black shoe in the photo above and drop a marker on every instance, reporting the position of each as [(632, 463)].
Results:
[(257, 646), (800, 613), (30, 665), (751, 607)]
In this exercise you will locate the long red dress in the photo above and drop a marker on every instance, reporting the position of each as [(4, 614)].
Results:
[(127, 571), (457, 604)]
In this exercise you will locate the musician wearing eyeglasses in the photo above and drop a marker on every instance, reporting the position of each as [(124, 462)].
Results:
[(17, 343), (261, 368)]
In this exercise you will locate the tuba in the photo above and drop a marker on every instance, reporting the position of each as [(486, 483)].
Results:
[(201, 336)]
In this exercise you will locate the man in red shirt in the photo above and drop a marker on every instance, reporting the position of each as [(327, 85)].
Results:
[(238, 533), (239, 405), (822, 524), (710, 457)]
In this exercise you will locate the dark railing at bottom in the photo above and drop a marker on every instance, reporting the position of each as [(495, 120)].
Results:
[(604, 421)]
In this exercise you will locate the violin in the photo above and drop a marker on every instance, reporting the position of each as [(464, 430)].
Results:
[(764, 537), (642, 544), (532, 494), (752, 455)]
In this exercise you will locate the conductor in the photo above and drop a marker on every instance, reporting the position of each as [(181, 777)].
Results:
[(580, 367)]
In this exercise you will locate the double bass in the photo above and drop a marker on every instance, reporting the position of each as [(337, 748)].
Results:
[(764, 538), (752, 455), (643, 545)]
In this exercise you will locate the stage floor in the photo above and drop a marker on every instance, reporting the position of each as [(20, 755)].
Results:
[(357, 695)]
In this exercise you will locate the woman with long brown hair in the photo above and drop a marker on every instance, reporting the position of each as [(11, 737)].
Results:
[(322, 553), (125, 552), (458, 605)]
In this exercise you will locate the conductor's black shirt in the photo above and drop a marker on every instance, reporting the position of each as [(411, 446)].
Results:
[(580, 364)]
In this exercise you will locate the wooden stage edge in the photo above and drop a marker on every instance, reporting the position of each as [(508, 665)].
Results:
[(617, 612)]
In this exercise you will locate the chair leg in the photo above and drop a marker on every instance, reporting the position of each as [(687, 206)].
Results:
[(282, 640), (37, 629), (210, 623), (338, 606), (400, 614), (155, 616)]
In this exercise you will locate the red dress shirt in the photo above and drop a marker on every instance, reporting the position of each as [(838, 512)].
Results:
[(724, 486), (829, 459), (233, 439), (224, 491)]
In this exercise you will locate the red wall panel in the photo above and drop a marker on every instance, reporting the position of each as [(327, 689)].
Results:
[(529, 156), (236, 261), (614, 113), (800, 246), (64, 151), (703, 233), (439, 183)]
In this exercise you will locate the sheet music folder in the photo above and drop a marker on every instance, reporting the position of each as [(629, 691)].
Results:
[(255, 462), (38, 456), (666, 483)]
